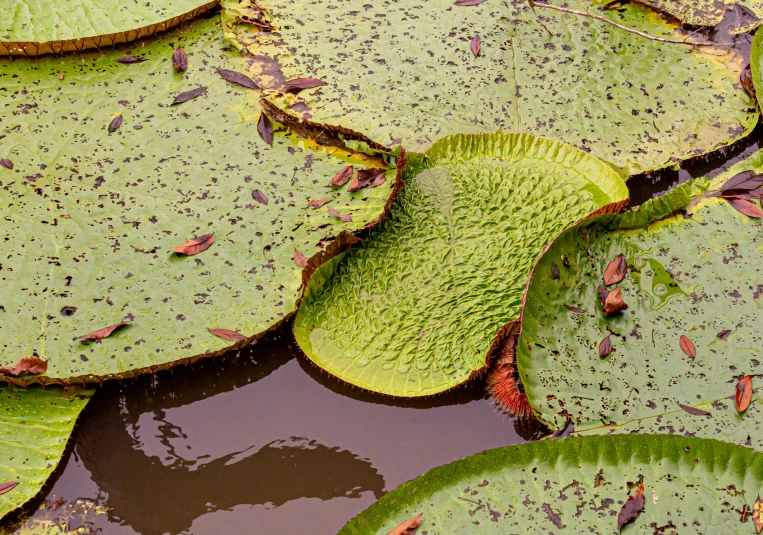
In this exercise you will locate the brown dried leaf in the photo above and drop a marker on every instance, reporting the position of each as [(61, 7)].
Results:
[(189, 95), (342, 176), (742, 182), (745, 207), (363, 178), (260, 197), (5, 162), (344, 217), (743, 395), (632, 506), (724, 334), (574, 309), (180, 60), (687, 346), (468, 2), (103, 333), (745, 79), (30, 365), (318, 204), (298, 84), (299, 258), (129, 60), (225, 334), (408, 527), (7, 487), (614, 302), (265, 128), (757, 514), (195, 245), (379, 180), (116, 122), (475, 45), (237, 78), (605, 347), (693, 410), (615, 271)]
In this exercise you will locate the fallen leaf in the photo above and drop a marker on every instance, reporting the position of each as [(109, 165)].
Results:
[(5, 162), (475, 45), (362, 178), (260, 197), (655, 497), (180, 60), (632, 506), (555, 273), (265, 128), (318, 204), (687, 346), (745, 513), (745, 207), (743, 182), (408, 527), (129, 60), (605, 347), (342, 176), (237, 78), (468, 2), (344, 217), (103, 333), (746, 79), (195, 245), (379, 180), (30, 365), (61, 76), (189, 95), (614, 302), (743, 395), (565, 261), (724, 334), (298, 84), (615, 271), (225, 334), (757, 514), (603, 293), (7, 487), (574, 309), (693, 410), (299, 258), (116, 122)]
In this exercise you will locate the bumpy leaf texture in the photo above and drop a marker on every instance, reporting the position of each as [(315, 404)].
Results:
[(710, 12), (404, 72), (35, 425), (414, 309), (697, 271), (90, 219), (577, 485)]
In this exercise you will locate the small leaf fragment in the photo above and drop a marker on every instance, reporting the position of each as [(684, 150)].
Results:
[(225, 334), (745, 207), (724, 334), (28, 365), (8, 486), (260, 197), (757, 514), (298, 84), (344, 217), (5, 162), (475, 45), (693, 410), (745, 78), (614, 302), (468, 2), (743, 395), (318, 204), (363, 178), (265, 128), (687, 346), (180, 60), (632, 506), (605, 346), (100, 334), (615, 271), (237, 78), (189, 95), (116, 122), (129, 60), (379, 180), (574, 309), (195, 245), (300, 258), (408, 527), (342, 176)]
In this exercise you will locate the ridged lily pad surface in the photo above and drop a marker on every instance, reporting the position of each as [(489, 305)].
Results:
[(35, 425), (403, 72), (710, 12), (90, 218), (579, 485), (33, 27), (694, 270), (415, 308)]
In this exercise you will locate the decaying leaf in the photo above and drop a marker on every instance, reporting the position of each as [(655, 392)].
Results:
[(614, 302), (379, 180), (745, 78), (615, 271), (342, 176), (687, 346), (757, 514), (408, 527), (475, 45), (260, 197), (300, 258), (743, 395), (318, 204), (693, 410), (237, 78), (265, 128), (7, 487), (298, 84), (195, 245), (745, 207), (116, 122), (105, 332), (742, 184), (724, 334), (180, 60), (363, 178), (189, 95), (605, 346), (572, 308), (468, 2), (129, 60), (343, 217), (5, 162), (27, 365), (632, 506), (225, 334)]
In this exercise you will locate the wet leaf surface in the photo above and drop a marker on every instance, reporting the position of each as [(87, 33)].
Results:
[(342, 176), (185, 96), (180, 60), (260, 197), (475, 45), (225, 334), (195, 245), (615, 271), (687, 346), (632, 507), (343, 217), (115, 123), (409, 527), (298, 84), (105, 332), (265, 129), (237, 78), (743, 394)]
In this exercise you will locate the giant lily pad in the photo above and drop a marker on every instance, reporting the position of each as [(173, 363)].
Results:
[(34, 27), (91, 218), (414, 309), (404, 72), (579, 485), (694, 290), (710, 12), (35, 425)]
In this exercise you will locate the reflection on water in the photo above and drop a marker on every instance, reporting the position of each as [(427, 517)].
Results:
[(263, 442)]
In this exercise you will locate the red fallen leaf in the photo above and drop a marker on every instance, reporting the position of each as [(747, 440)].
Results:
[(475, 44), (189, 95), (746, 79), (693, 410), (343, 217), (225, 334), (723, 334), (379, 180), (408, 527), (7, 487), (605, 347), (363, 178), (743, 395), (342, 176), (237, 78), (615, 271), (116, 122), (745, 207), (687, 346), (318, 204), (757, 514), (103, 333), (180, 60), (265, 128), (260, 197), (632, 506), (195, 245), (574, 309), (30, 365), (468, 2), (5, 162), (743, 182), (299, 258), (614, 303), (129, 60), (298, 84)]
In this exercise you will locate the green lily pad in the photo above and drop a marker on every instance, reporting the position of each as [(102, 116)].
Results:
[(35, 426), (579, 485), (694, 270), (35, 27), (413, 310), (404, 73), (756, 65), (90, 218), (709, 12)]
